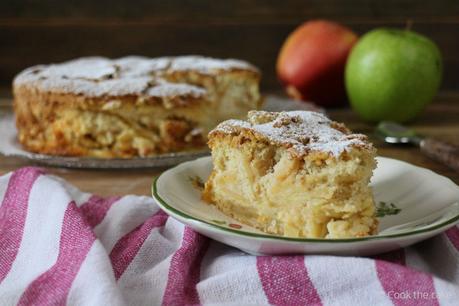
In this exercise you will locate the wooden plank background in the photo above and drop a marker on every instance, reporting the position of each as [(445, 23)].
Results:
[(34, 31)]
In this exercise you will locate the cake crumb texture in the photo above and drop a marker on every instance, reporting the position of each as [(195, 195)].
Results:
[(295, 174)]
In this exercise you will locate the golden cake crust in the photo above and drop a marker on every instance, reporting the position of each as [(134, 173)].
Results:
[(301, 132), (132, 106)]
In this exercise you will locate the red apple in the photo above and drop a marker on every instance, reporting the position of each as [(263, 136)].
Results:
[(312, 59)]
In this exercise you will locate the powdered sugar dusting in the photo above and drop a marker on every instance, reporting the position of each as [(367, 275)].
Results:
[(141, 66), (116, 87), (302, 131), (132, 75), (208, 65), (172, 89), (90, 68)]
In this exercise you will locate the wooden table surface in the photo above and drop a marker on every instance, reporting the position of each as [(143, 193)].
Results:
[(439, 120)]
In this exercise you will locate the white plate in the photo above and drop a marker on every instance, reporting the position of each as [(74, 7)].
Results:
[(428, 203)]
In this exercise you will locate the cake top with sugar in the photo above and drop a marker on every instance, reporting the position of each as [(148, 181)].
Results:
[(301, 131), (132, 75)]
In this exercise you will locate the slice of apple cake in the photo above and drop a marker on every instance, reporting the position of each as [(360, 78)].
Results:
[(295, 174)]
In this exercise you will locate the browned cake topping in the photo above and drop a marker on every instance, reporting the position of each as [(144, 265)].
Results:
[(301, 131), (133, 75)]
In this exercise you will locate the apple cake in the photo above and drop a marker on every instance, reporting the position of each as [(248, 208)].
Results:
[(131, 106), (295, 174)]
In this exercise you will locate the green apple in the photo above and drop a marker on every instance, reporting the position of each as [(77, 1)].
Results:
[(392, 74)]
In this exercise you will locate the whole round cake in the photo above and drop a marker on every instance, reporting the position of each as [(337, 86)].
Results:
[(131, 106)]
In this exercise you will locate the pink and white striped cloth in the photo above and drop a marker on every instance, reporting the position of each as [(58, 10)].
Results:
[(59, 246)]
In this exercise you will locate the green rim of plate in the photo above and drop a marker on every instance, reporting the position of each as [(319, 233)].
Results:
[(163, 204)]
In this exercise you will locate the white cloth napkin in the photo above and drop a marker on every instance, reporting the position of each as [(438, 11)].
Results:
[(59, 246)]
